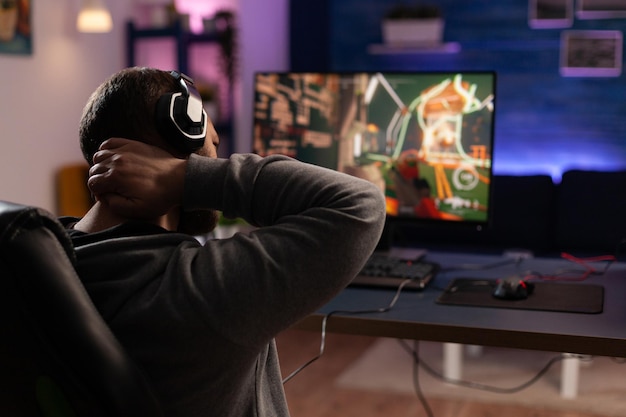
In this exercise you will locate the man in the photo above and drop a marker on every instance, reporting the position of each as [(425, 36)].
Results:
[(200, 319)]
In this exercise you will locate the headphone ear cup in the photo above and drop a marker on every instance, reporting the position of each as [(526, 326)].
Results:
[(180, 117)]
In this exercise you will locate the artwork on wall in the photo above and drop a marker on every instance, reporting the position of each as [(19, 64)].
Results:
[(549, 14), (591, 53), (600, 9), (15, 27)]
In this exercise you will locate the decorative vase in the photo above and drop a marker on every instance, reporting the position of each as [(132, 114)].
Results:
[(413, 32)]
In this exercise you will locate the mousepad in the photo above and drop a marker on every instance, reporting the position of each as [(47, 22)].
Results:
[(547, 296)]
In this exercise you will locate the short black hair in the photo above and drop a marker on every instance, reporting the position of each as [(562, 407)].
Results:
[(124, 106)]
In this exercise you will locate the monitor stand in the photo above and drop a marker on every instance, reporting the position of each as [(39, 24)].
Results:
[(389, 246)]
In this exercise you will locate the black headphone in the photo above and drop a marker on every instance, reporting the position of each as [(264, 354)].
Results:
[(180, 116)]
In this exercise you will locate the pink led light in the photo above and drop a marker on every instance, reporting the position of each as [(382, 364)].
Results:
[(199, 9)]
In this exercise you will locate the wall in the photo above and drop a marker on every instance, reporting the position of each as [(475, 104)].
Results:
[(264, 43), (545, 123), (44, 93), (43, 96)]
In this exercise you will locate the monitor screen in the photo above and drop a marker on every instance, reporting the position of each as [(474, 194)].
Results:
[(426, 139)]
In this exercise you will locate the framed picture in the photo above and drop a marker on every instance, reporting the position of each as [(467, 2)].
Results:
[(591, 53), (548, 14), (600, 9), (15, 27)]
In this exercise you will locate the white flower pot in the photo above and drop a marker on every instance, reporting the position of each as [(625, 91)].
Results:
[(413, 31)]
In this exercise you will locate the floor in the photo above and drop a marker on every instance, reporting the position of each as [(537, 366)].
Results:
[(311, 393)]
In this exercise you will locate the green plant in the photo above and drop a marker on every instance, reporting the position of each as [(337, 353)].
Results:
[(226, 35), (415, 11), (224, 221)]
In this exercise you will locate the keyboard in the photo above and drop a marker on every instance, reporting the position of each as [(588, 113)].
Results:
[(385, 271)]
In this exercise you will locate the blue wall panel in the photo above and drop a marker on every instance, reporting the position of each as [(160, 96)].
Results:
[(545, 123)]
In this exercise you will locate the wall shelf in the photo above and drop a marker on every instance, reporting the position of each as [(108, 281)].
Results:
[(182, 37), (386, 49)]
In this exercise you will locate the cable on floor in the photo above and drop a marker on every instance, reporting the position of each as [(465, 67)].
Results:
[(391, 304), (476, 385)]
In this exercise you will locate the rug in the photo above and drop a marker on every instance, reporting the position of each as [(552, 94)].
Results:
[(387, 366)]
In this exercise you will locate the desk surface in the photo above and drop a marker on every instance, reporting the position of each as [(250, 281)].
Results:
[(418, 316)]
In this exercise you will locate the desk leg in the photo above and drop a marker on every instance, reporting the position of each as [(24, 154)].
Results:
[(569, 376), (452, 360), (474, 351)]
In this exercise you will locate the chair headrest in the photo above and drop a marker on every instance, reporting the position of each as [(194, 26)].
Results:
[(16, 218)]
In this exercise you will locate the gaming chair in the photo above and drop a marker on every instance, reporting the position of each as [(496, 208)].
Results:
[(57, 355)]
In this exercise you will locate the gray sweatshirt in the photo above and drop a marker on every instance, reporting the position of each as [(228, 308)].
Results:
[(200, 320)]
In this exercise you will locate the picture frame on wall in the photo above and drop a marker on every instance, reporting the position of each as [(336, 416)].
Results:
[(15, 27), (550, 14), (591, 53), (601, 9)]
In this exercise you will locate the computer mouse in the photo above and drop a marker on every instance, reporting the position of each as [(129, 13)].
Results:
[(513, 288)]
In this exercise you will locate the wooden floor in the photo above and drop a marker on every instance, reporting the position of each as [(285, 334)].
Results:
[(312, 394)]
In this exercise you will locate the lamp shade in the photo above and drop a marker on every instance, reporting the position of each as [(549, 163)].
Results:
[(94, 17)]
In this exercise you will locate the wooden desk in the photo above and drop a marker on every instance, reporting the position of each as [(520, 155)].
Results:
[(418, 316)]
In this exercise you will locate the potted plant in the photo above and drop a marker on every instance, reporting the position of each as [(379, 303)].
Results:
[(413, 25), (223, 25)]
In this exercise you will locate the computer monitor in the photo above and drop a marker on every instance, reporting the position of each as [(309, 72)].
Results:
[(424, 138)]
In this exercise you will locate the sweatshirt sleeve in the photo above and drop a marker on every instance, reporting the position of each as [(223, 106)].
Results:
[(316, 228)]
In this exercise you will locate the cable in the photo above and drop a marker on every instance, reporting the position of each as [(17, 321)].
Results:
[(476, 385), (579, 275), (347, 312), (416, 382)]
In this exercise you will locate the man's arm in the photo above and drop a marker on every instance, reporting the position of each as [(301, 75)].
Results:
[(318, 227)]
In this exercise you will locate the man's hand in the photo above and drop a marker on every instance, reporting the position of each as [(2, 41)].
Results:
[(136, 180)]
